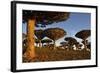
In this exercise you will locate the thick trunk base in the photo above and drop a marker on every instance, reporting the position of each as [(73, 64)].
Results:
[(30, 50)]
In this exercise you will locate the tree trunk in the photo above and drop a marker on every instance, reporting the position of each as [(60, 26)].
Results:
[(85, 46), (30, 51), (36, 44), (71, 47), (48, 44), (40, 44), (54, 45), (77, 46), (68, 48)]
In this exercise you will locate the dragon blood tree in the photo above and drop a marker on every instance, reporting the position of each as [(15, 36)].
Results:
[(84, 34), (33, 18), (54, 34), (71, 41), (47, 41), (39, 34)]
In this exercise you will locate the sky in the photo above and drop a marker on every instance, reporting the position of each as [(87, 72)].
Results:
[(75, 23)]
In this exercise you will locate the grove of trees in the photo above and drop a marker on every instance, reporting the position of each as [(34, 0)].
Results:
[(33, 18), (36, 36)]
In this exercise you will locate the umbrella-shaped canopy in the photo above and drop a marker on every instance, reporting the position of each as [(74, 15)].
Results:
[(71, 40), (84, 34), (39, 34), (64, 43), (54, 33), (45, 17), (46, 41), (36, 40)]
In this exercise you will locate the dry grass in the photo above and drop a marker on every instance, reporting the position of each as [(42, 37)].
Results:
[(47, 54)]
